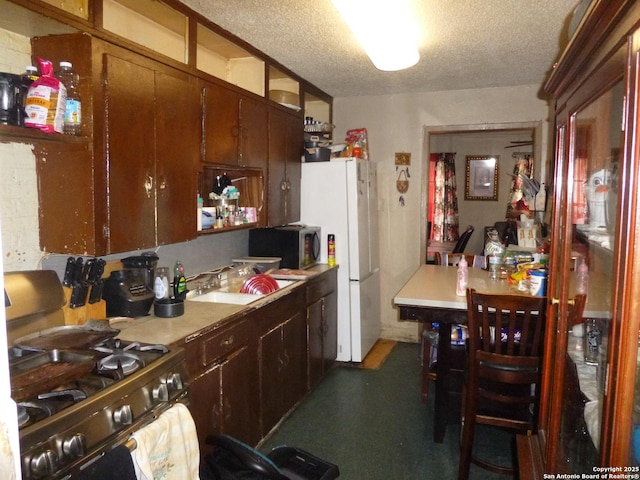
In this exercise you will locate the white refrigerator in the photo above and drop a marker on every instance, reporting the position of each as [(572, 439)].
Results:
[(340, 196)]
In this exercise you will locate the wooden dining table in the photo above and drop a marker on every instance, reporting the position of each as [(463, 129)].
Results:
[(430, 296)]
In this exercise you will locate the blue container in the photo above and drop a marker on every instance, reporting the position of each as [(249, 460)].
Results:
[(538, 282)]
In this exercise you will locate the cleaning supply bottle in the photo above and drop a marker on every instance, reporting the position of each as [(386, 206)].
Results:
[(331, 250), (179, 282), (463, 277)]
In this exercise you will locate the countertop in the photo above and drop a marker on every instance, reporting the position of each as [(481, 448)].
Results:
[(198, 318), (435, 286)]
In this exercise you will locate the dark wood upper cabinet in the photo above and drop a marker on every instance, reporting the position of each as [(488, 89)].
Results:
[(141, 119), (286, 137), (233, 127)]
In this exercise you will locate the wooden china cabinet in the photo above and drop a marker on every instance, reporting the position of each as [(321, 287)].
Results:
[(590, 414)]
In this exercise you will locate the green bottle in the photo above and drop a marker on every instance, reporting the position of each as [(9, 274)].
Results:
[(179, 282)]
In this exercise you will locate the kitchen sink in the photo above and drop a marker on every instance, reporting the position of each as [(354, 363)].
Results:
[(218, 296), (222, 295)]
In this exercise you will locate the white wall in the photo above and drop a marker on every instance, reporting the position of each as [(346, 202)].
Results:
[(396, 123)]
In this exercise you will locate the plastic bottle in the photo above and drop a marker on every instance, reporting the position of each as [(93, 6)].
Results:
[(331, 250), (179, 281), (161, 283), (29, 76), (199, 206), (582, 278), (463, 277), (73, 111)]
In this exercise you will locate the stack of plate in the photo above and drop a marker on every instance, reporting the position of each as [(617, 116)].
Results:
[(259, 284)]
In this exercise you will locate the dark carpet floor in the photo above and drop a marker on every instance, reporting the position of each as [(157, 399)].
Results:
[(374, 426)]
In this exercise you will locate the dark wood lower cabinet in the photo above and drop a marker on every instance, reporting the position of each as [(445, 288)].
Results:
[(282, 369), (251, 371)]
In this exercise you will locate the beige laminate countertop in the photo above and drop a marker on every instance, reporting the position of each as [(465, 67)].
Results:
[(198, 318), (434, 286)]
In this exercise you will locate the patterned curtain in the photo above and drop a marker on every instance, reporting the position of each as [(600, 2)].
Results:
[(518, 203), (444, 209)]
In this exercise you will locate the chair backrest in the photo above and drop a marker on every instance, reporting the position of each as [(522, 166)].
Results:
[(463, 240), (452, 259), (506, 335)]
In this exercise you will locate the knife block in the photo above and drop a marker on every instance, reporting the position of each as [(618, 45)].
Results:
[(80, 315)]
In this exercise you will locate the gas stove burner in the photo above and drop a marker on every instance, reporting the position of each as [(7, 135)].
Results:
[(32, 412), (125, 362), (111, 345), (23, 415)]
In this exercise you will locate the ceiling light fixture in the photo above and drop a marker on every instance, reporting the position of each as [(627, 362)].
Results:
[(386, 30)]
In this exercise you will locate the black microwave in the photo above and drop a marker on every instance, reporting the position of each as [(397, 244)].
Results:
[(297, 245)]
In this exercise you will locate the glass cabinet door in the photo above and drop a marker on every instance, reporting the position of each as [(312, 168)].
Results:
[(586, 238)]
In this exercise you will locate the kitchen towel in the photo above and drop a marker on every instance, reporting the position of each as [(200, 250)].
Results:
[(115, 464), (167, 449)]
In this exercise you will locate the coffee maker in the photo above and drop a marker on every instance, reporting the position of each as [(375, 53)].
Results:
[(129, 292), (145, 265)]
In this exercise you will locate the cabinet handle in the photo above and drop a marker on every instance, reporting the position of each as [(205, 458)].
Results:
[(283, 185), (556, 301), (163, 183), (148, 185), (227, 341)]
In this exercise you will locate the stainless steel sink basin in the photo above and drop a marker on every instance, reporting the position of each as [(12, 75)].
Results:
[(236, 298), (218, 296)]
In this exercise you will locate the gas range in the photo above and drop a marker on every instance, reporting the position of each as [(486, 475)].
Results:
[(124, 386)]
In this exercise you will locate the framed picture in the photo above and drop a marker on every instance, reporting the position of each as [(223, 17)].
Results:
[(481, 178)]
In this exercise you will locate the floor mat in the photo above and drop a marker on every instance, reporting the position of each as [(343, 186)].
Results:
[(378, 354)]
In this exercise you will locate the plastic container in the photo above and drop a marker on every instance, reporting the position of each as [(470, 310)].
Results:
[(73, 109), (29, 76), (261, 264), (582, 278), (168, 307), (463, 277), (538, 283)]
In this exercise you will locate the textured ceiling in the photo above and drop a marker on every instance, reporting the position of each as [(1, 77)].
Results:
[(465, 43)]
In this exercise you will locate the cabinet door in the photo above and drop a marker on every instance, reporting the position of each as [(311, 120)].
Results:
[(329, 330), (176, 158), (130, 110), (205, 405), (283, 369), (587, 231), (240, 396), (220, 123), (253, 134), (315, 326), (285, 147)]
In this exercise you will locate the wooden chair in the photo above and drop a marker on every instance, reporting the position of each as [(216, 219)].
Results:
[(429, 334), (504, 367)]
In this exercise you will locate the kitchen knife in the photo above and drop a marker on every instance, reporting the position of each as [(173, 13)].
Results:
[(95, 295), (77, 300), (69, 272)]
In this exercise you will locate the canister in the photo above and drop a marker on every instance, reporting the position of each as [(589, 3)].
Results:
[(538, 282)]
